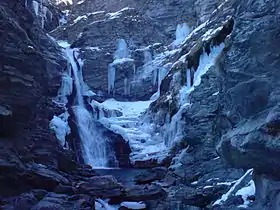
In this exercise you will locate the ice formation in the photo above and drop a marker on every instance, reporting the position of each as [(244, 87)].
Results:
[(122, 49), (60, 125), (36, 7), (94, 144), (121, 56), (205, 62), (182, 31), (111, 78)]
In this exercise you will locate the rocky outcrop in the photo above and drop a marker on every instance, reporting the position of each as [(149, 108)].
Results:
[(30, 68)]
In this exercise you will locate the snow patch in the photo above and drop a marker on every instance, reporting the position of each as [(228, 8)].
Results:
[(60, 125), (118, 13), (232, 189), (83, 17), (103, 205), (80, 2), (122, 49), (133, 205), (246, 192), (94, 49)]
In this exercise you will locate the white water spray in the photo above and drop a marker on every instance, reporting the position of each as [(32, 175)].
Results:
[(93, 143)]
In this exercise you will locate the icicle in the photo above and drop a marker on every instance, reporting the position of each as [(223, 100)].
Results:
[(126, 87), (155, 76), (65, 89), (205, 62), (122, 50), (134, 71), (111, 78), (147, 56), (189, 79), (36, 7), (42, 14)]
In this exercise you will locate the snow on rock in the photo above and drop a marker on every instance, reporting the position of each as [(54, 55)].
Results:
[(246, 192), (103, 205), (60, 125), (80, 2), (131, 126), (129, 109), (118, 13), (205, 62), (66, 2), (98, 49), (232, 189), (83, 17), (133, 205)]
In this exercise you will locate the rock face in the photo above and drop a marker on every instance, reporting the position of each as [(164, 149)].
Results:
[(31, 64), (96, 27)]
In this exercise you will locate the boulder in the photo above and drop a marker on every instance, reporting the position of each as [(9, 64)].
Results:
[(143, 193), (101, 186), (7, 124), (253, 144), (151, 175)]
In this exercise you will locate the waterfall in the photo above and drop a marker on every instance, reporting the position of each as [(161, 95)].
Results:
[(93, 142)]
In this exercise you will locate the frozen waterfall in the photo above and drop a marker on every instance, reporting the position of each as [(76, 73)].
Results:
[(121, 56), (122, 49), (175, 130), (182, 31), (93, 143)]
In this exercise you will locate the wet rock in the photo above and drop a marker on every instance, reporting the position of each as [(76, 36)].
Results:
[(267, 192), (253, 142), (148, 163), (143, 193), (101, 186), (6, 121), (151, 175), (61, 201), (198, 197)]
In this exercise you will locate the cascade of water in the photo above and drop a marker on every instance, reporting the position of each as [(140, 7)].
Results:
[(94, 146)]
